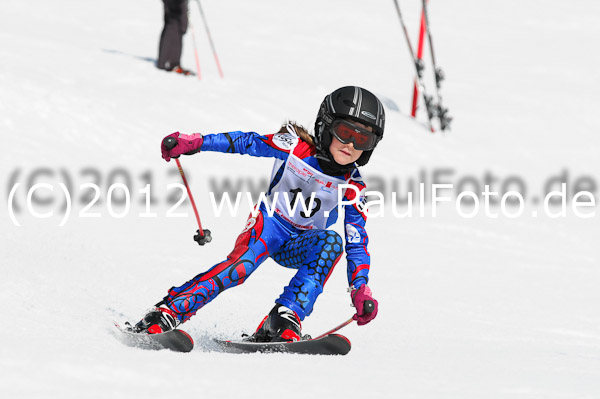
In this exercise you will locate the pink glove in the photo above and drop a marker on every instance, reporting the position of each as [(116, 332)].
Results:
[(359, 297), (186, 144)]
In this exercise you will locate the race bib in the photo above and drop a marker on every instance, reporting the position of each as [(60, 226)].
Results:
[(305, 196)]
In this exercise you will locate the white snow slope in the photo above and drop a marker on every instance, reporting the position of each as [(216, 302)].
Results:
[(477, 307)]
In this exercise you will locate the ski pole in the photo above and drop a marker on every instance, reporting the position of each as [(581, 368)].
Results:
[(196, 51), (439, 75), (369, 306), (203, 235), (420, 45), (212, 45)]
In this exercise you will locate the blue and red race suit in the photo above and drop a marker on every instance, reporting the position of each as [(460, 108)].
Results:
[(297, 237)]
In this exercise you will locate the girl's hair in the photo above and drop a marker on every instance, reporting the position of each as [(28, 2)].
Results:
[(300, 131)]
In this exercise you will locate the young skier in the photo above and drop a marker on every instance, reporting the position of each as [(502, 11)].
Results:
[(349, 125)]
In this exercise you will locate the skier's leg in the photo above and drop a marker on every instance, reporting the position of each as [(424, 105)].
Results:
[(171, 39), (314, 253), (260, 237)]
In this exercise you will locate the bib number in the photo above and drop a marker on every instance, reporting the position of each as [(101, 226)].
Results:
[(316, 202)]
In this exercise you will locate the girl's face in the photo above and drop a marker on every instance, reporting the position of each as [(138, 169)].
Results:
[(345, 154)]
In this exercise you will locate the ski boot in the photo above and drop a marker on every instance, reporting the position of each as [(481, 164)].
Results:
[(280, 325), (158, 320), (186, 72)]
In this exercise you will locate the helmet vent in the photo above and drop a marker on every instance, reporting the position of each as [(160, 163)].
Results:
[(349, 103)]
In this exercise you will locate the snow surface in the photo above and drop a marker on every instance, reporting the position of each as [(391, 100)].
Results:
[(469, 308)]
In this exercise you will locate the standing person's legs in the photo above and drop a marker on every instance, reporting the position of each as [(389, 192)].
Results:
[(171, 38)]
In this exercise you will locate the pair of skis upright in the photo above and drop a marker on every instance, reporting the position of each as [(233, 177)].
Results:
[(433, 106)]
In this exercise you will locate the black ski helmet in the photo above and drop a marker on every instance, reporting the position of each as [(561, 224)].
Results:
[(349, 102)]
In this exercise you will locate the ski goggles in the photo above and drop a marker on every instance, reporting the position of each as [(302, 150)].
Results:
[(347, 132)]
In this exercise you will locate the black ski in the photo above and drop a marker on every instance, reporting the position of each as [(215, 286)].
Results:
[(175, 340), (332, 344)]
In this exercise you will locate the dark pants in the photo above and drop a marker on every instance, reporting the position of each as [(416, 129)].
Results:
[(171, 39)]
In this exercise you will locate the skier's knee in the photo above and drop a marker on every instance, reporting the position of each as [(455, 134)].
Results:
[(331, 243)]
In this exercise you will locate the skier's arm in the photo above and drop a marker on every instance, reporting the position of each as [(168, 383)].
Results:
[(276, 145), (272, 145), (359, 259), (357, 240)]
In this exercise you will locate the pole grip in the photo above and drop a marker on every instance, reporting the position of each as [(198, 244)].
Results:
[(368, 306), (169, 142)]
